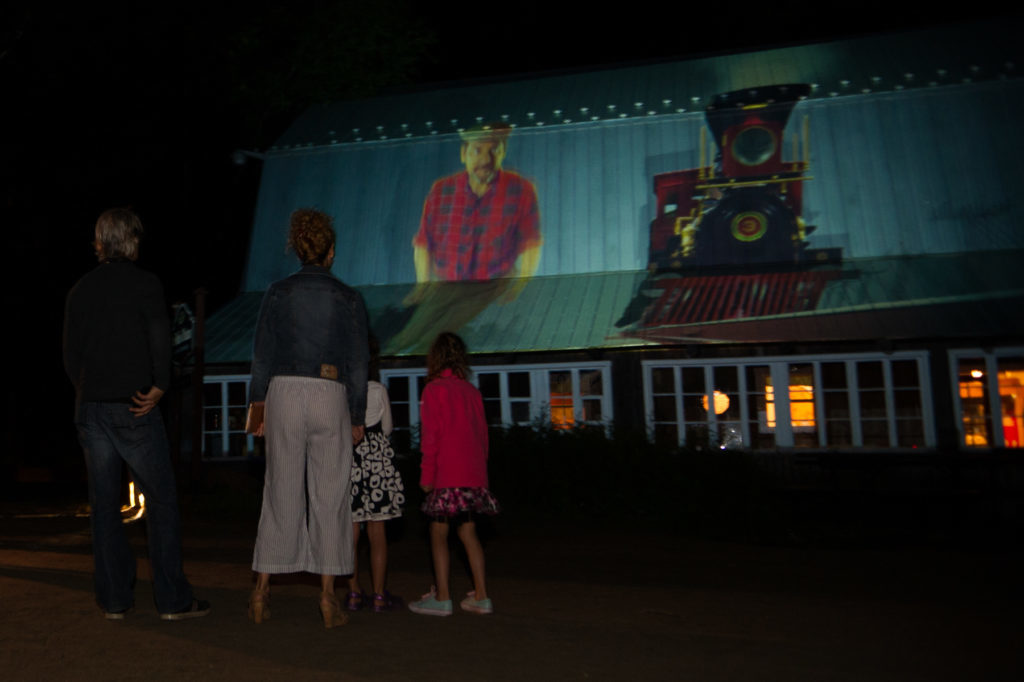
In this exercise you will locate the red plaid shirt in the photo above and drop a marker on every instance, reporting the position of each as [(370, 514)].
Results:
[(478, 238)]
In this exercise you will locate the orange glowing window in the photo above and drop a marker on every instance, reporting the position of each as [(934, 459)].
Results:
[(1011, 399), (801, 406), (561, 411)]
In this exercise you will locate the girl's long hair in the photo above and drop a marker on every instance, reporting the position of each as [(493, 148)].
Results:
[(447, 351)]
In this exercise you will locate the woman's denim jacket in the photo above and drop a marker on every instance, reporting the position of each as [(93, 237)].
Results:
[(313, 325)]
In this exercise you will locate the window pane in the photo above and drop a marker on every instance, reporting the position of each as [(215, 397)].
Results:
[(839, 434), (759, 377), (974, 403), (757, 410), (664, 408), (805, 439), (560, 383), (869, 375), (761, 438), (910, 433), (561, 399), (726, 394), (400, 415), (904, 374), (520, 412), (1011, 399), (236, 418), (421, 383), (590, 382), (693, 379), (872, 404), (727, 379), (492, 412), (519, 384), (697, 435), (663, 380), (592, 410), (908, 403), (398, 389), (730, 435), (693, 408), (727, 406), (833, 375), (490, 385), (211, 419), (237, 393), (876, 434), (837, 405), (211, 394), (801, 405), (760, 414)]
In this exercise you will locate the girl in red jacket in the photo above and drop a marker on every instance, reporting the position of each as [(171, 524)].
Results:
[(453, 473)]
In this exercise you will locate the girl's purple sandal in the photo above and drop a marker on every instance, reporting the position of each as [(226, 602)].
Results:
[(354, 601), (385, 601)]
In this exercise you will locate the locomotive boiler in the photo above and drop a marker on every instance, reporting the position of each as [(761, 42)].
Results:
[(743, 205)]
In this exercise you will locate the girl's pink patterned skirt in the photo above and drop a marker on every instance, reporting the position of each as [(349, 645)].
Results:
[(454, 501)]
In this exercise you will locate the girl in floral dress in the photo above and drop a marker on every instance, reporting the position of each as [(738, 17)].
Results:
[(377, 493), (453, 473)]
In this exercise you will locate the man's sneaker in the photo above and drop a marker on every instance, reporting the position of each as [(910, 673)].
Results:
[(197, 609), (430, 605), (474, 605), (116, 615)]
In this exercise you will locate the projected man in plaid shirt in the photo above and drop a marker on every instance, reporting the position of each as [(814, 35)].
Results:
[(480, 227), (480, 224)]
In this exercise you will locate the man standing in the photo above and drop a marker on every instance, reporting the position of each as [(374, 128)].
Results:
[(480, 225), (117, 352)]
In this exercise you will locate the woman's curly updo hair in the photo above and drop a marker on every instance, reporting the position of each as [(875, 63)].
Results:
[(448, 351), (311, 234)]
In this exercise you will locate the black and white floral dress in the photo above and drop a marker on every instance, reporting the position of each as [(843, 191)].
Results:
[(377, 490)]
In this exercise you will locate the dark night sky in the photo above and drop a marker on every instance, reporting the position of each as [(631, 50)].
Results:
[(144, 108)]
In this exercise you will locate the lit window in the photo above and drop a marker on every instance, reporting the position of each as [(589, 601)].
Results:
[(1011, 400), (990, 397), (830, 402)]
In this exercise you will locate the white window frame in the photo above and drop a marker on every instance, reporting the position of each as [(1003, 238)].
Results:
[(995, 409), (779, 368), (540, 391), (223, 380)]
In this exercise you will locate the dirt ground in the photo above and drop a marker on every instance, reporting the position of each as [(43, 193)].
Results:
[(570, 604)]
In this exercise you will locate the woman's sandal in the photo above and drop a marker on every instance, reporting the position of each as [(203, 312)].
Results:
[(330, 610), (259, 606), (355, 600)]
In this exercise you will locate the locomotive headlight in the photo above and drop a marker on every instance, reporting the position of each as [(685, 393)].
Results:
[(754, 146), (749, 226)]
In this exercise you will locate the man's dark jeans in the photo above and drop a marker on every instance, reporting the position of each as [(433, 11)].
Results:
[(109, 435)]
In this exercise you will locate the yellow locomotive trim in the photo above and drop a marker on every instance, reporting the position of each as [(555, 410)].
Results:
[(752, 183)]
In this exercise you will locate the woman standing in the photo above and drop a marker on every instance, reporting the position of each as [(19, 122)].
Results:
[(309, 367)]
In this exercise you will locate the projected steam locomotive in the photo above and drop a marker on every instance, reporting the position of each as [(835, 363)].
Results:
[(744, 205), (728, 249)]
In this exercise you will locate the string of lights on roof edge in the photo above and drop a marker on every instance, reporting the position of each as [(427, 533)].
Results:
[(614, 112)]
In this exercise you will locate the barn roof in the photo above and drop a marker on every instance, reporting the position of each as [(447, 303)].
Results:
[(871, 64), (966, 295)]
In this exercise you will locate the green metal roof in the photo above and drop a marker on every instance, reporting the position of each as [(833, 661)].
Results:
[(891, 62), (966, 295)]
